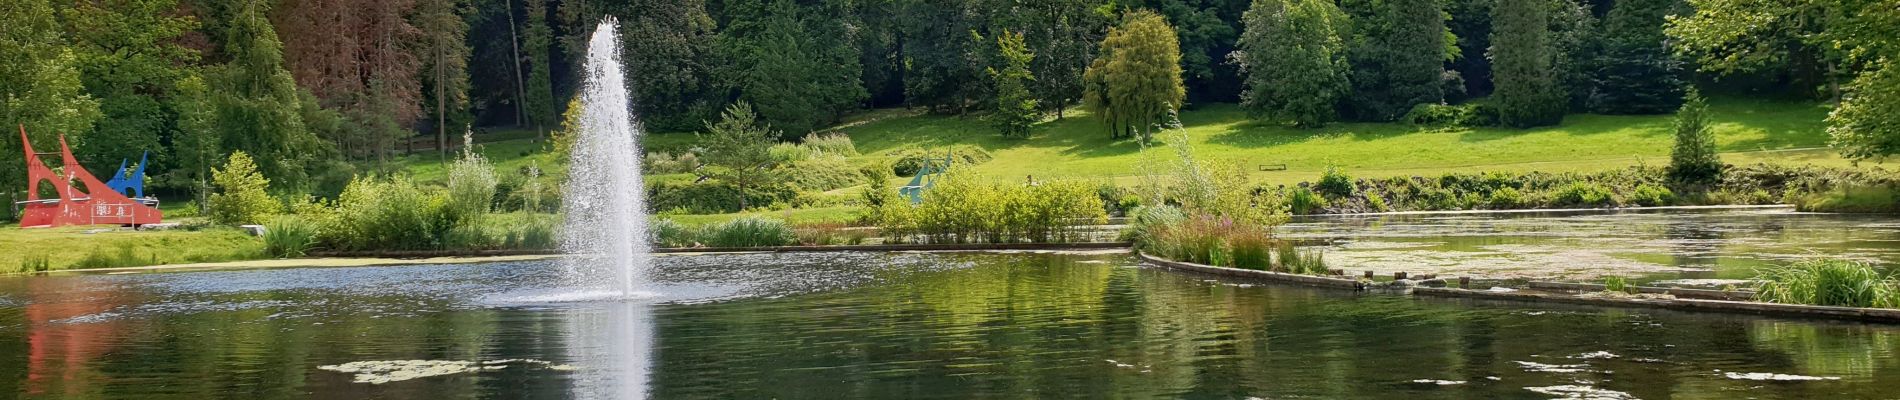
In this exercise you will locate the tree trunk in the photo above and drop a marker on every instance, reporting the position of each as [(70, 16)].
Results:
[(441, 107), (514, 41)]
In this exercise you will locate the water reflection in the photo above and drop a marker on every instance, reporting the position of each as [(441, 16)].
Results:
[(875, 325)]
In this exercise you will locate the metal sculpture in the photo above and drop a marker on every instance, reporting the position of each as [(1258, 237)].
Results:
[(134, 182), (96, 203), (927, 176)]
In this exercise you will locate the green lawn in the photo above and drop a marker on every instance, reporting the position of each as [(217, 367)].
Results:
[(1078, 147), (65, 248)]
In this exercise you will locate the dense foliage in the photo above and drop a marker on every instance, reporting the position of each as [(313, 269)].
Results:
[(1136, 82), (1527, 92), (1636, 74), (241, 197), (962, 208), (1294, 58), (1016, 109)]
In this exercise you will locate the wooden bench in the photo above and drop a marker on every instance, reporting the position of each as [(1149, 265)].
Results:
[(1272, 167)]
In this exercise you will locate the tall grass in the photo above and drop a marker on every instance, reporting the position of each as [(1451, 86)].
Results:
[(289, 237), (1293, 260), (1828, 282), (750, 232), (35, 263)]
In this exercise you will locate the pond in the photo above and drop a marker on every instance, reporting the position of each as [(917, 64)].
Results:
[(1707, 248), (881, 325)]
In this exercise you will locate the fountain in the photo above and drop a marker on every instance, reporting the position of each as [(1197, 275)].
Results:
[(605, 232)]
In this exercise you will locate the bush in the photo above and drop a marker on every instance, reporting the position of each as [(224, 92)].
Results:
[(821, 174), (1828, 282), (1878, 199), (289, 237), (1304, 201), (242, 196), (1648, 195), (1469, 115), (1617, 284), (1148, 222), (471, 184), (535, 234), (962, 209), (35, 263), (388, 214), (1505, 199), (909, 161), (750, 232), (784, 153), (712, 197), (1335, 184), (831, 144), (1584, 194)]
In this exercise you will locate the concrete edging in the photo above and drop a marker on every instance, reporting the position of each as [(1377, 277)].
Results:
[(774, 249), (1308, 280), (1724, 306), (1678, 292)]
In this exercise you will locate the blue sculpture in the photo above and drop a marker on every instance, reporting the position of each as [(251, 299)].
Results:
[(135, 182), (926, 177)]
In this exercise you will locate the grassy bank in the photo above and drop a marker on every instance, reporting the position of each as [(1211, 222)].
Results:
[(107, 247)]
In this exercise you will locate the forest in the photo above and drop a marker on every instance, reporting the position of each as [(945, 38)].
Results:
[(320, 91)]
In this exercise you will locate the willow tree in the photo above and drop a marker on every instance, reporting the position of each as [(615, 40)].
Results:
[(1136, 81), (1527, 93), (1294, 59)]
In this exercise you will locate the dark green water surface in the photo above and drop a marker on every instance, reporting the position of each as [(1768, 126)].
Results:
[(885, 325)]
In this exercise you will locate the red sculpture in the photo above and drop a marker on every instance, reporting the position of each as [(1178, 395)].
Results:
[(96, 204)]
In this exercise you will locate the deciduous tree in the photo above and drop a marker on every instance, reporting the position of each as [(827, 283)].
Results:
[(1294, 58), (1136, 81)]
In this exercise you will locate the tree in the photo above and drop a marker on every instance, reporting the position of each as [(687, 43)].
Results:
[(1846, 37), (1867, 124), (1575, 41), (242, 196), (357, 57), (195, 148), (1527, 94), (736, 149), (666, 46), (1016, 109), (1206, 31), (129, 57), (256, 100), (1294, 59), (1694, 159), (938, 51), (1064, 39), (1136, 81), (445, 53), (1636, 74), (1399, 49), (39, 89), (537, 44), (792, 63)]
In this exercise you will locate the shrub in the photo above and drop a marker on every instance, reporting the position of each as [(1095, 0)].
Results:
[(1877, 199), (1828, 282), (1304, 201), (1335, 184), (1617, 284), (242, 196), (1469, 115), (1649, 195), (1505, 199), (909, 161), (712, 197), (1377, 203), (1694, 160), (289, 237), (1251, 249), (750, 232), (1147, 223), (821, 174), (667, 163), (534, 234), (1584, 194), (388, 214), (829, 235), (962, 209), (831, 144), (471, 184)]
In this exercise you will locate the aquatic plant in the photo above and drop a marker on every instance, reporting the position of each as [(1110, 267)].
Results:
[(35, 263), (289, 237), (1828, 282), (1293, 260), (1251, 249), (1617, 284)]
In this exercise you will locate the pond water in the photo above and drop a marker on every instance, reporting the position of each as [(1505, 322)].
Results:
[(881, 325), (1705, 247)]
